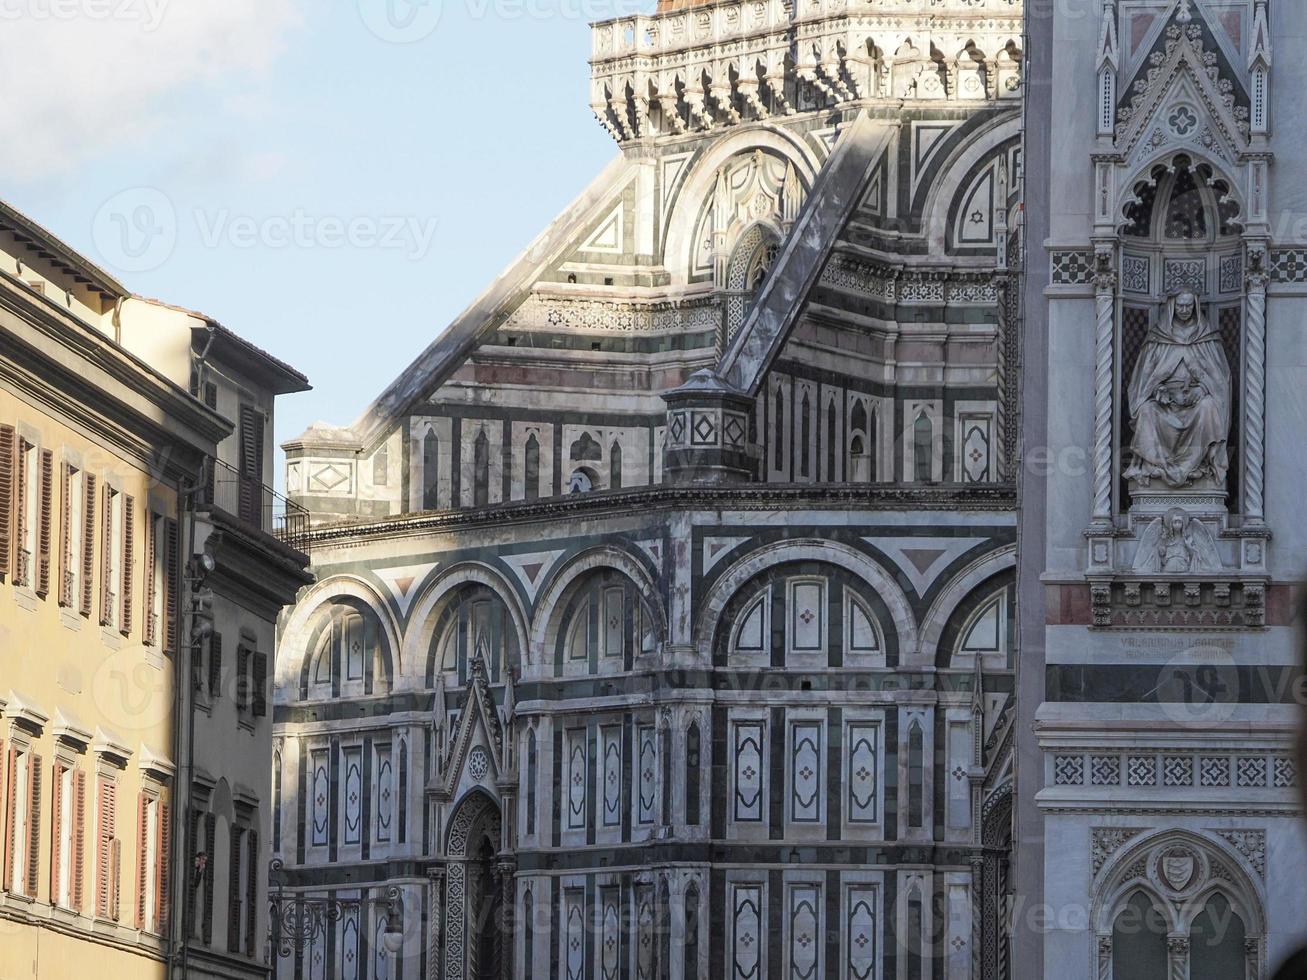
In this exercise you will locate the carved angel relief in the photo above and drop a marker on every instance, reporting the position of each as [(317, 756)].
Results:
[(1177, 544)]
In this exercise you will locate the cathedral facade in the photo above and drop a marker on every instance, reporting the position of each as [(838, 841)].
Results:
[(664, 614), (1161, 532)]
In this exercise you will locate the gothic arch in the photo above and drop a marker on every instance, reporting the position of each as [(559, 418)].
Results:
[(808, 549), (1218, 868), (955, 593), (444, 586), (549, 605), (294, 646), (697, 186), (1143, 173), (963, 162)]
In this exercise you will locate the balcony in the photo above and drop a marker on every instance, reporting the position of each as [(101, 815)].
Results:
[(258, 505)]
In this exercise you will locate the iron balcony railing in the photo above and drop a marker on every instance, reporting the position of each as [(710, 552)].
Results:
[(257, 504)]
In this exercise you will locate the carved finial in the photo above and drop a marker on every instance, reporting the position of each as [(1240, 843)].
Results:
[(1184, 14)]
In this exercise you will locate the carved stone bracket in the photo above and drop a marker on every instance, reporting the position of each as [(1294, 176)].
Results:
[(1147, 602)]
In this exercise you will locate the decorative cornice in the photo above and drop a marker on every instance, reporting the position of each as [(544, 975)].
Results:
[(757, 497)]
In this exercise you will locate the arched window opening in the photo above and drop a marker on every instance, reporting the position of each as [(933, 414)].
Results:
[(923, 438), (805, 435), (615, 466), (473, 623), (872, 443), (916, 777), (692, 774), (832, 440), (528, 934), (481, 470), (349, 656), (1139, 941), (1216, 942), (690, 966), (530, 788), (778, 429), (430, 470), (531, 468)]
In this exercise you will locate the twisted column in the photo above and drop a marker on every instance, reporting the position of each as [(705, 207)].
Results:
[(1177, 948), (1104, 958), (1255, 390), (1104, 382)]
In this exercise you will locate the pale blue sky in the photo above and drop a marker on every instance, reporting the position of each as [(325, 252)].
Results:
[(268, 125)]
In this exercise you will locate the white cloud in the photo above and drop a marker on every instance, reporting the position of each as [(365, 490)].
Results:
[(81, 77)]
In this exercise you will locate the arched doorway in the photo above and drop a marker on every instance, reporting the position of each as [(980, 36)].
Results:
[(474, 897)]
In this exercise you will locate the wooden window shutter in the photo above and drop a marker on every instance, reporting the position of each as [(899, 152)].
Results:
[(46, 513), (162, 865), (11, 813), (192, 879), (242, 678), (211, 833), (65, 536), (234, 893), (251, 465), (101, 851), (215, 665), (88, 543), (106, 553), (129, 557), (8, 452), (56, 831), (150, 625), (142, 853), (33, 823), (171, 587), (252, 893), (20, 513), (260, 684), (115, 878), (79, 837)]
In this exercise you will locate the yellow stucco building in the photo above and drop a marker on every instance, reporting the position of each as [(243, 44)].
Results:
[(108, 432)]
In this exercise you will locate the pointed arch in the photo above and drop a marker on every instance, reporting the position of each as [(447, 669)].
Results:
[(923, 444), (481, 470), (615, 466), (805, 436), (531, 468), (430, 470)]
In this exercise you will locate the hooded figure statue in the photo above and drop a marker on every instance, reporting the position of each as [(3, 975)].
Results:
[(1180, 401)]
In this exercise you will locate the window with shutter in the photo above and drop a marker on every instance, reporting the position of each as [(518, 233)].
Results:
[(151, 624), (215, 665), (171, 586), (67, 561), (11, 819), (78, 871), (33, 838), (161, 866), (260, 684), (24, 518), (127, 567), (115, 879), (142, 858), (106, 850), (8, 451), (195, 871), (242, 678), (234, 894), (57, 801), (252, 894), (45, 519), (106, 558), (251, 465), (211, 834), (88, 543)]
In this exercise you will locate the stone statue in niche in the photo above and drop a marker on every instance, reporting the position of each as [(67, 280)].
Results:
[(1177, 543), (1179, 401)]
